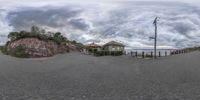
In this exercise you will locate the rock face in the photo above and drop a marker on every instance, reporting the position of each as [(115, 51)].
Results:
[(38, 48)]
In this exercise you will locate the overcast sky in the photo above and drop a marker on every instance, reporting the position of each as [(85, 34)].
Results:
[(126, 21)]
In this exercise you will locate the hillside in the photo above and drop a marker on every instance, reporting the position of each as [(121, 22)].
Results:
[(38, 43)]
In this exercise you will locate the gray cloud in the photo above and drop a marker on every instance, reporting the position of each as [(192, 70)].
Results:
[(79, 24), (183, 28), (40, 16), (129, 22)]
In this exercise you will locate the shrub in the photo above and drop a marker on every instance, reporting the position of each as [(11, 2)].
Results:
[(149, 55), (19, 52), (36, 33), (107, 53), (99, 53), (4, 50), (90, 50)]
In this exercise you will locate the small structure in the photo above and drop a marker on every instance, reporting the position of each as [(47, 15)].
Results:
[(92, 48), (114, 46)]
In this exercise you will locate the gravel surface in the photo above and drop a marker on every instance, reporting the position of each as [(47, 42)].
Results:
[(75, 76)]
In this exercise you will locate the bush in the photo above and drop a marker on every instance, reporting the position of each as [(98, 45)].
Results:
[(117, 53), (4, 50), (36, 33), (19, 52), (149, 55), (108, 53)]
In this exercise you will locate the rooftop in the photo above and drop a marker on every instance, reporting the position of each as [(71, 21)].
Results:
[(114, 43), (93, 45)]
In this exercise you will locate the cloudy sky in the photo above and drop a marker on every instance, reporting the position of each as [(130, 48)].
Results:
[(126, 21)]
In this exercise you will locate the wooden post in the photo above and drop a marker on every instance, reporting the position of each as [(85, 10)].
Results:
[(143, 54), (155, 39), (131, 54), (136, 54), (93, 52), (159, 54)]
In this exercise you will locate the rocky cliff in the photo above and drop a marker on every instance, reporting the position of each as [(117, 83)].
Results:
[(34, 47)]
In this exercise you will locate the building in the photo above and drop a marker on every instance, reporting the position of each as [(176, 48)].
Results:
[(113, 46), (91, 48)]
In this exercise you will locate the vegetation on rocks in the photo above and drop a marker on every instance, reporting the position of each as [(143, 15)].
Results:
[(3, 49), (39, 34), (38, 43), (19, 52)]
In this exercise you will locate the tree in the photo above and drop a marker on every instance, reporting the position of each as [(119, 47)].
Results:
[(23, 34), (35, 29), (58, 38), (36, 33), (13, 35)]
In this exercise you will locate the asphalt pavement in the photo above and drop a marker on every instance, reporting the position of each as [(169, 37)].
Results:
[(75, 76)]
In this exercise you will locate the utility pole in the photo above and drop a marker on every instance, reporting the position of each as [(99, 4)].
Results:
[(155, 38)]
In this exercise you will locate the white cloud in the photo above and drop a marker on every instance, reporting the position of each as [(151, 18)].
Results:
[(39, 3), (129, 23), (4, 27)]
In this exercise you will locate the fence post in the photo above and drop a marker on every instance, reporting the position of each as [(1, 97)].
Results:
[(143, 54), (136, 54), (151, 54), (159, 54), (131, 54)]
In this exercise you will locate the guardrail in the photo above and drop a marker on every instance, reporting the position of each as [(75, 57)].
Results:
[(147, 54)]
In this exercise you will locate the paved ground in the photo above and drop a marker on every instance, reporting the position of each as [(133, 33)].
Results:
[(79, 77)]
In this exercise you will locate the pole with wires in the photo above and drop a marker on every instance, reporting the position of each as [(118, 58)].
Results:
[(155, 38)]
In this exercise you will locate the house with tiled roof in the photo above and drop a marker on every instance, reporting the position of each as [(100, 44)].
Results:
[(93, 47), (113, 46)]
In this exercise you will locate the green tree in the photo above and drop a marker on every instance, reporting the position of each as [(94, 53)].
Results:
[(35, 29), (58, 38), (13, 36)]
